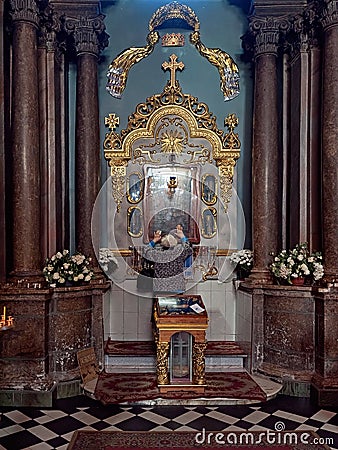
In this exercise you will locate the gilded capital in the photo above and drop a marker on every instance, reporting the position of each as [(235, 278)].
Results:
[(25, 11), (330, 14), (89, 34), (267, 33)]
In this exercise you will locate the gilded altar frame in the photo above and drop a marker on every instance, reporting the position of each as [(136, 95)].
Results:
[(121, 148)]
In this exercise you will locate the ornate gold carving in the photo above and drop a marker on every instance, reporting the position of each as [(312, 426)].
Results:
[(202, 156), (226, 66), (174, 10), (118, 176), (192, 119), (173, 40), (226, 159), (212, 272), (171, 142), (119, 68), (173, 65), (162, 362), (199, 362)]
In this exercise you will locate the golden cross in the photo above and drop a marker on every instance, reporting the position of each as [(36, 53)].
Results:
[(173, 66)]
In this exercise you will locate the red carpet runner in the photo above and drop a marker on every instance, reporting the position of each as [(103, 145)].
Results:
[(176, 440), (134, 387)]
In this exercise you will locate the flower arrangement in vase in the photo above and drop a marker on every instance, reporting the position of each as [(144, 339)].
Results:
[(64, 268), (243, 261), (107, 261), (298, 266)]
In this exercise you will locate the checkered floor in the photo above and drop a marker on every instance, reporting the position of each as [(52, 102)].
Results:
[(43, 429)]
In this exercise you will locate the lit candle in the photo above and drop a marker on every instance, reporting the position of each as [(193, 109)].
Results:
[(4, 312)]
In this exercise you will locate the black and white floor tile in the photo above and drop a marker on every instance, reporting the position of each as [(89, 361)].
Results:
[(44, 429)]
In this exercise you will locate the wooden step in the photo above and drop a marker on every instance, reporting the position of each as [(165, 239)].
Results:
[(148, 348)]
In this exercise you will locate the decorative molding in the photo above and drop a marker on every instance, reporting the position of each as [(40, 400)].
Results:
[(267, 32), (25, 11), (88, 32), (199, 362), (329, 17)]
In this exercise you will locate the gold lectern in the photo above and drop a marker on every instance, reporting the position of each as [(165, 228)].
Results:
[(179, 329)]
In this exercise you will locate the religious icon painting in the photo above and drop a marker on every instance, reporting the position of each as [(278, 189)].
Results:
[(209, 189), (209, 223), (134, 221), (135, 185)]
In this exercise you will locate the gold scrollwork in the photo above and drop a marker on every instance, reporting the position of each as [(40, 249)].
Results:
[(173, 10), (172, 106), (209, 189), (162, 362), (118, 177), (209, 222), (199, 362), (135, 187), (134, 221)]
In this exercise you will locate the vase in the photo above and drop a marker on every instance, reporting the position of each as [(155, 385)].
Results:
[(242, 274), (299, 281)]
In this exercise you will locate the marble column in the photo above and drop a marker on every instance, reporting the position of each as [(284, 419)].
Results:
[(325, 380), (89, 39), (265, 199), (26, 249), (329, 141)]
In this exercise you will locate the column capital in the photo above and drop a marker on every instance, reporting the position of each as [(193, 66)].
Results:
[(266, 32), (88, 32), (25, 11), (50, 27), (329, 16), (304, 32)]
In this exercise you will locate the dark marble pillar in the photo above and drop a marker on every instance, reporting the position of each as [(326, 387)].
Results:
[(329, 141), (89, 38), (265, 198), (26, 252), (325, 382)]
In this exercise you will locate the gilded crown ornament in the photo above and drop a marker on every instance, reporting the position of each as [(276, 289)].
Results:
[(173, 40)]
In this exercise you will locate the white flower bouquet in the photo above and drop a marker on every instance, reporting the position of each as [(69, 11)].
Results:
[(298, 263), (243, 259), (107, 260), (64, 267)]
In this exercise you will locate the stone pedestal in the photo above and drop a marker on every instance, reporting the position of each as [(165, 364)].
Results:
[(50, 327), (283, 334), (325, 381)]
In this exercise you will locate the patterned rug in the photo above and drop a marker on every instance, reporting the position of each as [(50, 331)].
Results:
[(179, 440), (142, 348), (134, 387)]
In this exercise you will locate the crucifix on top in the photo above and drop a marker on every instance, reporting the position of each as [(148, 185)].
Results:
[(173, 65)]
